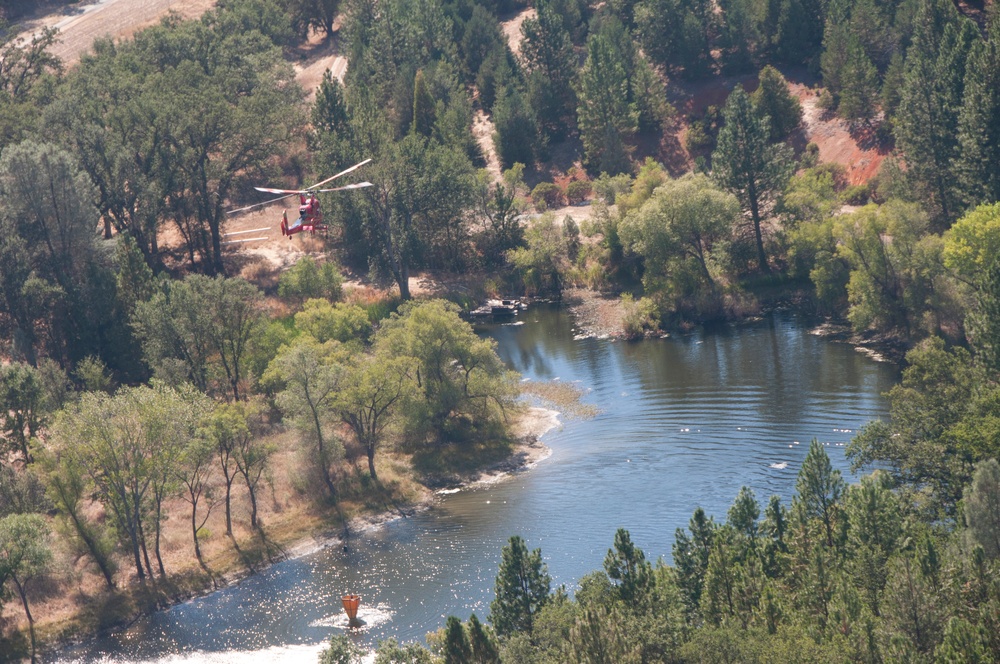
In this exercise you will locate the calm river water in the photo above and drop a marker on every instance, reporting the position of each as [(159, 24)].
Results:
[(684, 421)]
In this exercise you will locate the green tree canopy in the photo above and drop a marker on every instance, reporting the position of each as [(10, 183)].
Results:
[(201, 329), (24, 555), (462, 378), (681, 233), (773, 100), (522, 588), (748, 165)]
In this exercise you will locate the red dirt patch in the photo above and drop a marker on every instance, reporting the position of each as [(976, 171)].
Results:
[(838, 141)]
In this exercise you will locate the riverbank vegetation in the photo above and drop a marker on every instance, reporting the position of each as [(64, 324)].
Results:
[(844, 574), (142, 387)]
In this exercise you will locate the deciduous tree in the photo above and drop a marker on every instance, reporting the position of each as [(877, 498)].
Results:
[(24, 555), (374, 388), (204, 325), (311, 379), (679, 232)]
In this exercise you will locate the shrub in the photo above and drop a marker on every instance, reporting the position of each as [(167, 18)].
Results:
[(810, 157), (826, 102), (577, 191), (608, 187), (341, 321), (698, 140), (545, 195), (308, 279), (638, 316), (858, 194)]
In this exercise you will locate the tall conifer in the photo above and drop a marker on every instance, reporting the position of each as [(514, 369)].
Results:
[(978, 160)]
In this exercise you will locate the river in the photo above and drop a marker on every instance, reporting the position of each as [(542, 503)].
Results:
[(683, 421)]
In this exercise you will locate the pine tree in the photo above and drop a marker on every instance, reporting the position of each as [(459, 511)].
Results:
[(982, 507), (516, 132), (963, 643), (892, 86), (930, 100), (691, 557), (739, 38), (673, 34), (329, 112), (482, 644), (743, 514), (979, 122), (457, 649), (605, 116), (522, 588), (800, 31), (550, 63), (747, 164), (423, 107), (819, 489), (984, 321), (627, 565), (859, 84), (772, 99)]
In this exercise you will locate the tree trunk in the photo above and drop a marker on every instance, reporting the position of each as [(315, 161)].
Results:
[(138, 558), (92, 547), (194, 532), (253, 505), (145, 551), (229, 490), (755, 216), (323, 466), (215, 229), (156, 548), (27, 612), (371, 461), (253, 496), (404, 281)]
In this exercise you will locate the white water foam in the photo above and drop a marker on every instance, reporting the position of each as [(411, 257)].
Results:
[(287, 654)]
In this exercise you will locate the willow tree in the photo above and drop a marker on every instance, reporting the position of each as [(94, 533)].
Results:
[(460, 375), (311, 378), (680, 232), (374, 389)]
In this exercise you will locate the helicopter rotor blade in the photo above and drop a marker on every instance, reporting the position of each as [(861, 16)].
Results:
[(359, 185), (288, 193), (344, 172), (268, 202)]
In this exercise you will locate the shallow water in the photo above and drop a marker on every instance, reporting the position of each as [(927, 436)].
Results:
[(684, 421)]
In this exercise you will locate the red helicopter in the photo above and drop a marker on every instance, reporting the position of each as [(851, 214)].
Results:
[(310, 213)]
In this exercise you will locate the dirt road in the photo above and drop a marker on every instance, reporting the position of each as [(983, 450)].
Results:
[(79, 25)]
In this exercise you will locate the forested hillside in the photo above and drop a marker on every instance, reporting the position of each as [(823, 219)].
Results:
[(142, 378)]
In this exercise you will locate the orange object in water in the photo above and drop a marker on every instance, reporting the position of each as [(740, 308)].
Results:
[(351, 604)]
